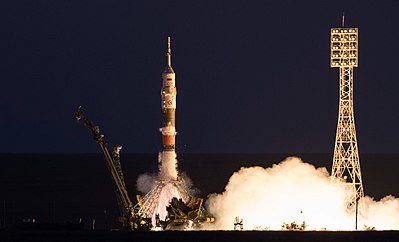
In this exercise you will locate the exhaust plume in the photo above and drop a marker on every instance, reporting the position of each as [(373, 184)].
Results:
[(167, 165), (145, 182), (295, 191)]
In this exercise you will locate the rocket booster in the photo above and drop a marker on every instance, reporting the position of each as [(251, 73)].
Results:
[(168, 104)]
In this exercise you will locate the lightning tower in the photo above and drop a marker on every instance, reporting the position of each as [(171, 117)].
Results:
[(346, 163)]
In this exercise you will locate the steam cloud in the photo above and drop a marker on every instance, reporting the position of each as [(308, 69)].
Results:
[(167, 165), (161, 188), (295, 191), (146, 182)]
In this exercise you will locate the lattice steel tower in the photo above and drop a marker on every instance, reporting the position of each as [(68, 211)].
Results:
[(346, 163)]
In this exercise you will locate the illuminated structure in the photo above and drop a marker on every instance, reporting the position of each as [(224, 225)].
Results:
[(165, 202), (168, 204), (346, 164), (168, 105)]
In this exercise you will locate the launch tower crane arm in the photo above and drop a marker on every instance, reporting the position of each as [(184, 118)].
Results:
[(113, 164)]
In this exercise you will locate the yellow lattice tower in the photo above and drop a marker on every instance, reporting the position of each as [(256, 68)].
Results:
[(346, 164)]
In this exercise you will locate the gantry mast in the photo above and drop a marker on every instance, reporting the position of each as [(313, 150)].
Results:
[(346, 163)]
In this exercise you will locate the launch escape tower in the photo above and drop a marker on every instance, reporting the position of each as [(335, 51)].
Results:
[(346, 164)]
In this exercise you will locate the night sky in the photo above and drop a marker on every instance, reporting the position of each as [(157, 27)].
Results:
[(252, 76)]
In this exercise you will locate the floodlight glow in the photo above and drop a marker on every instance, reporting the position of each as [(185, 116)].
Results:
[(344, 42)]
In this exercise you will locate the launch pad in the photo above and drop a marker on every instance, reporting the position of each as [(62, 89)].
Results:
[(168, 205), (209, 236)]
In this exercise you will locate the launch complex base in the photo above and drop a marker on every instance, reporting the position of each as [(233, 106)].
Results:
[(209, 236)]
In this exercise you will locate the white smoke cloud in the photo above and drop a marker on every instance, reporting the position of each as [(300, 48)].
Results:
[(146, 182), (383, 214), (161, 188), (188, 184), (295, 191), (167, 165)]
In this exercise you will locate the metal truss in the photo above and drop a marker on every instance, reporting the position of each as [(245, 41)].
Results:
[(346, 163), (149, 203)]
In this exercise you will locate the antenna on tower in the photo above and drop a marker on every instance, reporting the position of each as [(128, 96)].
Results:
[(343, 19)]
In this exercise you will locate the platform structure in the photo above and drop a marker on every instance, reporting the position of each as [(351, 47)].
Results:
[(346, 163), (152, 204)]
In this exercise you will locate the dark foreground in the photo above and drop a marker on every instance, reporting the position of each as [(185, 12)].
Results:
[(203, 236)]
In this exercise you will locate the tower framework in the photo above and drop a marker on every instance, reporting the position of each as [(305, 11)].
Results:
[(149, 204), (346, 163)]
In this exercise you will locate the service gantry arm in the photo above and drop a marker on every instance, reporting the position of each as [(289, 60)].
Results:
[(114, 166)]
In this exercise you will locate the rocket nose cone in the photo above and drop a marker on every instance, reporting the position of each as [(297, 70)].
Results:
[(168, 69)]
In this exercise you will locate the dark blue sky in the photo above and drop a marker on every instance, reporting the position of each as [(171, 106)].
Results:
[(252, 76)]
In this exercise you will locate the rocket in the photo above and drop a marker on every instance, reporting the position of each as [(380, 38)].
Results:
[(168, 104)]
